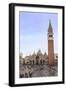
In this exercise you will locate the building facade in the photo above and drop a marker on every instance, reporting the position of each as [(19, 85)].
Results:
[(35, 58)]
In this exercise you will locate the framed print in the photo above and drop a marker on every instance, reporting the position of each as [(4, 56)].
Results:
[(36, 44)]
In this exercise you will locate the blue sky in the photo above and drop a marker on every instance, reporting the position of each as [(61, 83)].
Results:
[(33, 31)]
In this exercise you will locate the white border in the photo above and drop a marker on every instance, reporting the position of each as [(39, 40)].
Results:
[(41, 79)]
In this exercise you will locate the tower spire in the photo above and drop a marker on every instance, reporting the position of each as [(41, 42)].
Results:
[(50, 27), (50, 23)]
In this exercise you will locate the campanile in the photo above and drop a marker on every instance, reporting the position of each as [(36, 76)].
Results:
[(50, 45)]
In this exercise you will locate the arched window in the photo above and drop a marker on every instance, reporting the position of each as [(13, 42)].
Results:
[(50, 35), (37, 58), (40, 61)]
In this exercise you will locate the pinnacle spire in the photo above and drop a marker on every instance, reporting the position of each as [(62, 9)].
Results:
[(50, 26), (49, 22)]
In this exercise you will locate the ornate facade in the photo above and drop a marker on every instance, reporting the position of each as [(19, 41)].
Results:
[(38, 58)]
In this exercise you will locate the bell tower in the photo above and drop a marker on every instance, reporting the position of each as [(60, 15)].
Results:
[(50, 45)]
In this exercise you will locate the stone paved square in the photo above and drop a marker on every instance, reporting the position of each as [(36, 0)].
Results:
[(27, 71)]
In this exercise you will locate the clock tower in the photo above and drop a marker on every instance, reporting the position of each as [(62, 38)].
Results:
[(50, 45)]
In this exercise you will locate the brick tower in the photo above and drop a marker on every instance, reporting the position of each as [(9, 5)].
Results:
[(50, 45)]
